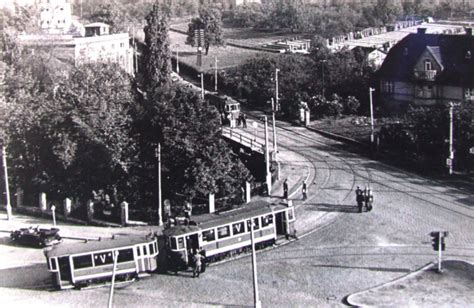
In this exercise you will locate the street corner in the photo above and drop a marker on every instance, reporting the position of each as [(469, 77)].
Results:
[(423, 287)]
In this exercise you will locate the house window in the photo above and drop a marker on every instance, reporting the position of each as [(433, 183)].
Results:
[(469, 93), (388, 87), (428, 65)]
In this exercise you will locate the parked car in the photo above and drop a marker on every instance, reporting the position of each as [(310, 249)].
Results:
[(36, 237)]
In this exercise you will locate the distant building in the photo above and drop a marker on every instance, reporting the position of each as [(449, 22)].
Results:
[(74, 43), (427, 69), (231, 4), (113, 48)]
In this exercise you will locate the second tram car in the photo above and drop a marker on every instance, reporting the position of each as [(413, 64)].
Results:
[(81, 264), (226, 233)]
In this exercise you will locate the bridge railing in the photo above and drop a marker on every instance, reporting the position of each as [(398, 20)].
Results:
[(249, 142)]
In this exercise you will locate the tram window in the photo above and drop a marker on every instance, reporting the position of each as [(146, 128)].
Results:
[(103, 258), (82, 261), (138, 251), (208, 235), (156, 247), (180, 243), (267, 220), (256, 224), (223, 232), (238, 228), (125, 255), (53, 264), (290, 214), (150, 247), (173, 243)]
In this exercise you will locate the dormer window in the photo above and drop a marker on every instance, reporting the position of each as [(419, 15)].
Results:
[(428, 65)]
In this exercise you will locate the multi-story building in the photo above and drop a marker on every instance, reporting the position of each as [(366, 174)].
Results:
[(427, 69), (55, 16), (97, 46)]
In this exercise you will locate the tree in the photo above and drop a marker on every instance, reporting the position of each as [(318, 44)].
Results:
[(73, 137), (247, 15), (210, 19), (110, 14), (157, 56)]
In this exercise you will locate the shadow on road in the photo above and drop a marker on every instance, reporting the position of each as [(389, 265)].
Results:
[(325, 207), (31, 277)]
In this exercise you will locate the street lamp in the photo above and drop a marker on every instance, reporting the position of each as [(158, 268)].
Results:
[(322, 74), (177, 58), (276, 88), (371, 117), (450, 159), (160, 211), (215, 74), (256, 299), (5, 173)]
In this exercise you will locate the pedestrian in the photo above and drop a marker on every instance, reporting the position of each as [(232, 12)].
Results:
[(188, 210), (303, 190), (285, 189), (197, 263), (244, 120), (359, 198), (369, 199)]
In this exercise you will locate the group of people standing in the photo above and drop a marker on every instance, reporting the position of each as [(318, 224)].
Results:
[(364, 197)]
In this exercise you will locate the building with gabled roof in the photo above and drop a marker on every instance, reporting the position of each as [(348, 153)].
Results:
[(426, 69)]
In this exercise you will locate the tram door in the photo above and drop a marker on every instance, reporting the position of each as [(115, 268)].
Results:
[(64, 271), (281, 225)]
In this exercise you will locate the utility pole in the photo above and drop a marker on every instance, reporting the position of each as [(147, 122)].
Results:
[(256, 299), (112, 285), (215, 74), (451, 151), (5, 173), (275, 149), (202, 85), (160, 211), (177, 59), (268, 175), (371, 117), (276, 88)]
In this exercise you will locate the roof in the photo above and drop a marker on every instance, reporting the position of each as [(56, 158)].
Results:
[(90, 246), (96, 24), (252, 209), (448, 49)]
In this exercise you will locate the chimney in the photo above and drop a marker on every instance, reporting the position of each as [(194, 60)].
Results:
[(421, 30), (468, 31)]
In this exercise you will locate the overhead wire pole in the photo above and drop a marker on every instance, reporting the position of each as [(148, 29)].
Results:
[(276, 88), (5, 173), (275, 147), (322, 73), (177, 59), (256, 299), (160, 211), (202, 85), (268, 176), (451, 151), (215, 74), (371, 117)]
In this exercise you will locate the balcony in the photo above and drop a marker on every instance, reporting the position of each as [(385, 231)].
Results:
[(428, 75)]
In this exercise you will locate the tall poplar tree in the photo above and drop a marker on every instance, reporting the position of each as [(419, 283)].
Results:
[(157, 56)]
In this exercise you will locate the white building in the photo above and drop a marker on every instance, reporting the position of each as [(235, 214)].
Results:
[(55, 16)]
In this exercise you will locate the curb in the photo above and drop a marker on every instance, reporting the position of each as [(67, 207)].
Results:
[(347, 299)]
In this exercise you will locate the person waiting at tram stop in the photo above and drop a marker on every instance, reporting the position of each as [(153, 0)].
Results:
[(359, 198), (304, 190), (285, 189), (368, 199), (197, 266)]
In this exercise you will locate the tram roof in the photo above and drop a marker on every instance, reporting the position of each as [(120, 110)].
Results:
[(92, 246), (206, 221)]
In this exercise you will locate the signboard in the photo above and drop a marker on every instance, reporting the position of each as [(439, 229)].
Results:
[(471, 150), (449, 162), (255, 124)]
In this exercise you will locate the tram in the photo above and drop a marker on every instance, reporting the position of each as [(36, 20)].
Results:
[(80, 264), (225, 105), (223, 234)]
